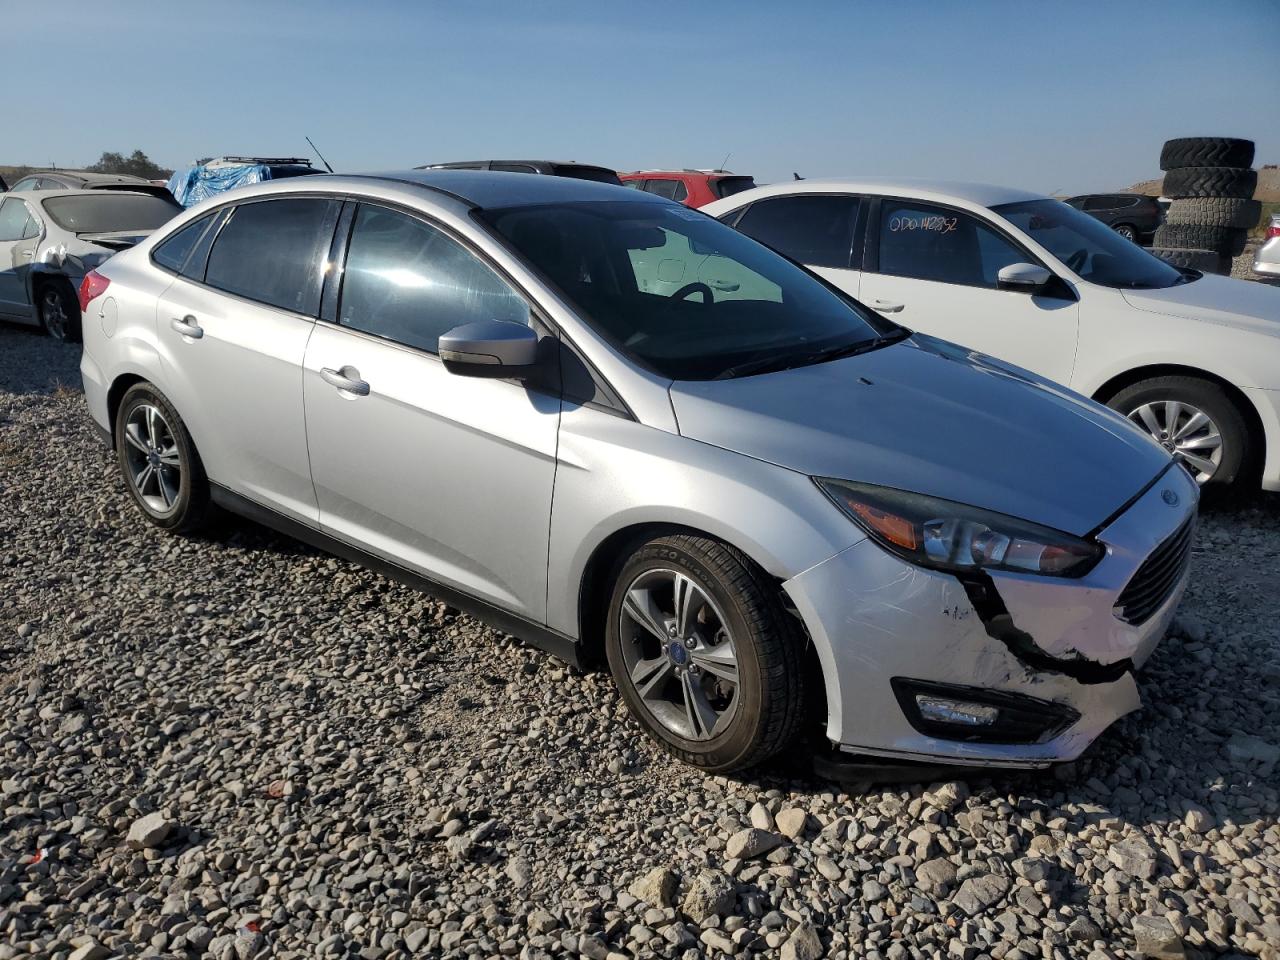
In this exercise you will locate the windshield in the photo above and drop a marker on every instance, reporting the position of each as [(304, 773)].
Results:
[(1089, 247), (107, 212), (681, 293)]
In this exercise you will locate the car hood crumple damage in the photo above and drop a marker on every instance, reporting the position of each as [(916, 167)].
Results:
[(927, 416), (1232, 303)]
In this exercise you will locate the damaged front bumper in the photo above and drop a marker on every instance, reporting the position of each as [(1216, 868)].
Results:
[(876, 620)]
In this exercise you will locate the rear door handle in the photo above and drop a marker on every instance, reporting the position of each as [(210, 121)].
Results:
[(28, 254), (346, 379), (888, 306), (188, 327)]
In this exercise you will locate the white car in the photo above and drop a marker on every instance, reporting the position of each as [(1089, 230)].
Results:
[(1192, 358)]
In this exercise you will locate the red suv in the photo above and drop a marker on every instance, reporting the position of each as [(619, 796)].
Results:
[(693, 188)]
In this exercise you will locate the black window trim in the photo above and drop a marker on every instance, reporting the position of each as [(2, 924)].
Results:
[(1061, 290)]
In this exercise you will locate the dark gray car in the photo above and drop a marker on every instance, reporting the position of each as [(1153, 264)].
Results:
[(1132, 215)]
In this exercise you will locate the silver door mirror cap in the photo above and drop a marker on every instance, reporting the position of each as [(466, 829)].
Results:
[(1027, 277), (490, 348)]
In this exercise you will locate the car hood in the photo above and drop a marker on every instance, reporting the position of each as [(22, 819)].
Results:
[(927, 416), (1234, 303)]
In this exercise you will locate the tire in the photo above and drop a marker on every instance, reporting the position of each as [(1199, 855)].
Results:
[(1210, 182), (1209, 261), (1227, 241), (59, 310), (1230, 212), (1206, 152), (1236, 452), (738, 599), (179, 507), (1126, 230)]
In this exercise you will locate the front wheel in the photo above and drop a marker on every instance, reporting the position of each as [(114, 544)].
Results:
[(161, 468), (704, 653), (1193, 418)]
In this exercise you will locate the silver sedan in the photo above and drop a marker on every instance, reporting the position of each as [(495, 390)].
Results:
[(625, 432)]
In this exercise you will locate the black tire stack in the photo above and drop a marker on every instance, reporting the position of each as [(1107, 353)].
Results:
[(1211, 184)]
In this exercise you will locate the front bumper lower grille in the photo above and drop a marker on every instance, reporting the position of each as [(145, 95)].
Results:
[(1155, 580)]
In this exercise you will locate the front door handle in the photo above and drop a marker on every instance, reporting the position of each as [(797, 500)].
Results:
[(28, 254), (346, 379), (888, 306), (188, 327)]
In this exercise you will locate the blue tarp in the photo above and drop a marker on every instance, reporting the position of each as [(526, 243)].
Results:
[(194, 184)]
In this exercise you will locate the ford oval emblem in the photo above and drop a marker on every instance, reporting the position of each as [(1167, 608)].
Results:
[(1169, 497)]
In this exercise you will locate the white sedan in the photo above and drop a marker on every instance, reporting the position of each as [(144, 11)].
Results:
[(1192, 358)]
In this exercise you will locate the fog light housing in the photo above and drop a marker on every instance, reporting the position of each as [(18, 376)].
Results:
[(951, 711), (945, 710)]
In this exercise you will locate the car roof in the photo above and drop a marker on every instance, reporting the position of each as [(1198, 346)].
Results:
[(532, 163), (40, 196), (709, 174), (488, 188), (86, 176), (981, 194)]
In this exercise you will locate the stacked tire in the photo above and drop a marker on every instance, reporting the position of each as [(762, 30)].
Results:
[(1211, 184)]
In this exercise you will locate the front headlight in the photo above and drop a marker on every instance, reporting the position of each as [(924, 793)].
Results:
[(952, 536)]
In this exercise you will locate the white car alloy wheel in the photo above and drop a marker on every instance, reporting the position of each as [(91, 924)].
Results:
[(1183, 430)]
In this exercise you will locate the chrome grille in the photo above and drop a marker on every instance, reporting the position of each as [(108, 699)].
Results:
[(1156, 578)]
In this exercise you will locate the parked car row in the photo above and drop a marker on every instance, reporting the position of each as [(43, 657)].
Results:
[(1193, 359), (627, 432)]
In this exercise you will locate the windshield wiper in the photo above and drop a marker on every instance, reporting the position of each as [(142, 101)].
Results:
[(772, 364)]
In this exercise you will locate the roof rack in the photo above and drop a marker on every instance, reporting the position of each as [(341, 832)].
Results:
[(269, 161)]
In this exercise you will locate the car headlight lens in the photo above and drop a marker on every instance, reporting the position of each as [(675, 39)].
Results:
[(952, 536)]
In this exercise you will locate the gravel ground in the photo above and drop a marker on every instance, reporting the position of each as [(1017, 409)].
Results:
[(236, 747)]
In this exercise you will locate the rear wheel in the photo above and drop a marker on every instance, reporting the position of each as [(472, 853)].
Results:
[(161, 468), (704, 654), (1194, 418), (1127, 231), (59, 311)]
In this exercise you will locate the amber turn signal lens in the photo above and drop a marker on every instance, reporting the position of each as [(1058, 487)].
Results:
[(895, 529)]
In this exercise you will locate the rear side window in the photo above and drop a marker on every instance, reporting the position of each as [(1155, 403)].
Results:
[(935, 243), (814, 230), (172, 252), (272, 251), (409, 282), (1101, 203), (662, 188), (594, 174), (513, 168)]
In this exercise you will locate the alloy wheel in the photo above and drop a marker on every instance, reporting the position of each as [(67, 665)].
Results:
[(1127, 232), (153, 458), (53, 313), (678, 654), (1186, 430)]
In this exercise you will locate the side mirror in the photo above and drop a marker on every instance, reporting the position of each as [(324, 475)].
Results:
[(1023, 277), (490, 348)]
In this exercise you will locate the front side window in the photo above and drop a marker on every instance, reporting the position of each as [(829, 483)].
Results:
[(925, 242), (683, 294), (13, 219), (272, 251), (1089, 247), (107, 212), (409, 282), (813, 230)]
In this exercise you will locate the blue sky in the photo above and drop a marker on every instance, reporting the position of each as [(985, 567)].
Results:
[(1043, 95)]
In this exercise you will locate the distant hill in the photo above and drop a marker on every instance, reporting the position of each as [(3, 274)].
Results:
[(1268, 185)]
